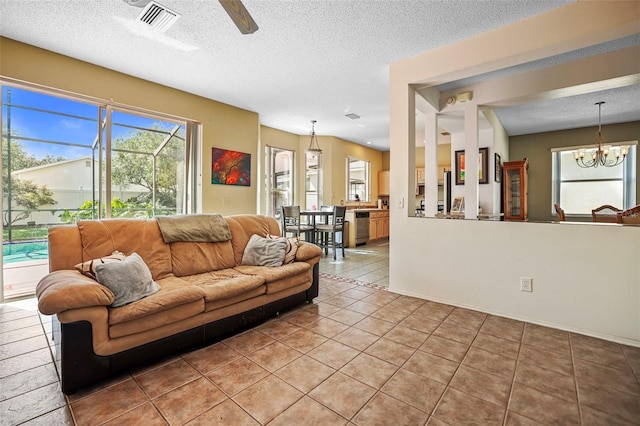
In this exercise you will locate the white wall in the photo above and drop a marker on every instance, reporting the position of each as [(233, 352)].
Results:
[(478, 264), (586, 277)]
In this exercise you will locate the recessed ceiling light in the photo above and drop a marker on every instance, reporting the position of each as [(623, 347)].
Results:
[(352, 116), (368, 142)]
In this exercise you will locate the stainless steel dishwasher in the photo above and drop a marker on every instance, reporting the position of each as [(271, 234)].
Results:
[(362, 227)]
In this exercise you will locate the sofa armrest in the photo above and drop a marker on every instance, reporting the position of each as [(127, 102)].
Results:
[(69, 289), (307, 251)]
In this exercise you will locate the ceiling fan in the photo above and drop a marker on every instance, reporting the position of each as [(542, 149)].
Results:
[(234, 8)]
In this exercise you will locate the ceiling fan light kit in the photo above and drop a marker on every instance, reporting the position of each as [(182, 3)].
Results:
[(599, 156)]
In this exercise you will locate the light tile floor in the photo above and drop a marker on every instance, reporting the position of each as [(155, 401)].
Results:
[(358, 355), (367, 263)]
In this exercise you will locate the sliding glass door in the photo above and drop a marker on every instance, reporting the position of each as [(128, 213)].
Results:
[(65, 160), (280, 180)]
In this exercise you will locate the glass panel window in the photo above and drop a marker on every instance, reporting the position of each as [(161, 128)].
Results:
[(579, 190), (148, 158), (55, 169), (280, 182), (358, 180)]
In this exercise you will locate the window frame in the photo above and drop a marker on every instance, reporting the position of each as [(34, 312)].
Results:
[(628, 180), (313, 199), (366, 180), (272, 180)]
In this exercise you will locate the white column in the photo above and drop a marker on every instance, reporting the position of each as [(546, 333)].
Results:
[(431, 165), (471, 161)]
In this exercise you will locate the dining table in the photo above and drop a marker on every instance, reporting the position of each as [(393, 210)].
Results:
[(312, 216)]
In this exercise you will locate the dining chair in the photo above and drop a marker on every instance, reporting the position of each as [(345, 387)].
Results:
[(292, 224), (605, 213), (560, 212), (328, 233), (630, 216)]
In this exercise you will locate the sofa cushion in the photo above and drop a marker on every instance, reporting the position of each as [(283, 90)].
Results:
[(88, 267), (223, 284), (128, 279), (278, 279), (102, 237), (196, 258), (261, 251), (173, 292), (243, 226)]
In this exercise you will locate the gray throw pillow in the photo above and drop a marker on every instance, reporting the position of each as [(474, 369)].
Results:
[(262, 251), (129, 279)]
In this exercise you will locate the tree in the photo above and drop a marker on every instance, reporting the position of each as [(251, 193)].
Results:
[(133, 165), (29, 196), (26, 196), (118, 209)]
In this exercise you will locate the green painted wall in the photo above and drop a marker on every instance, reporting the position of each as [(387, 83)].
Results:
[(537, 148)]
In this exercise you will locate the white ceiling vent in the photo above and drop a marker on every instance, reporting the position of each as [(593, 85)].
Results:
[(157, 16)]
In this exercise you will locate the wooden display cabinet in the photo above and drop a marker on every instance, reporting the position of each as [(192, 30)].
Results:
[(516, 190)]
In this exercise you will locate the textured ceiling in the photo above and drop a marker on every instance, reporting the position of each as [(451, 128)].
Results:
[(315, 59)]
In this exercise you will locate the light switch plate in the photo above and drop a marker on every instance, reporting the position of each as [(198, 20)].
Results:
[(400, 203)]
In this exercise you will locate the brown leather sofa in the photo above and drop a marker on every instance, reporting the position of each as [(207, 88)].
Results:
[(205, 293)]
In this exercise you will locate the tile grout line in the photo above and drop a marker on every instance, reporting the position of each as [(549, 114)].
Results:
[(435, 407), (515, 371), (575, 378)]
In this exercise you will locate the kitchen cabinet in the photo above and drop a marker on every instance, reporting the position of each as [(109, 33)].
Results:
[(373, 228), (420, 180), (383, 182), (516, 188), (378, 224)]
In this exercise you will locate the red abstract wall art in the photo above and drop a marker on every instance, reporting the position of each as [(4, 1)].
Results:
[(230, 167)]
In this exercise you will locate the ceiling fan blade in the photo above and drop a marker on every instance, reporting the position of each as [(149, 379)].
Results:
[(239, 15)]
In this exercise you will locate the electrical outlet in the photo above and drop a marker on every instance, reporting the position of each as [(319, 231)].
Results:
[(526, 284)]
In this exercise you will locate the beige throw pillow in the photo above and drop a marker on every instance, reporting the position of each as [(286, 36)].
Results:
[(129, 279), (291, 248), (262, 251)]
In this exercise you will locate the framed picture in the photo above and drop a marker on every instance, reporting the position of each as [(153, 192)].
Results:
[(458, 205), (483, 166), (460, 167), (498, 169), (230, 167)]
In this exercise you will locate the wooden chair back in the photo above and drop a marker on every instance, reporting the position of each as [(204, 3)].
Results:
[(339, 212), (605, 213), (630, 216)]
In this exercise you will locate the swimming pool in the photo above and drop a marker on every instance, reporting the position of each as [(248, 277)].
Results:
[(25, 251)]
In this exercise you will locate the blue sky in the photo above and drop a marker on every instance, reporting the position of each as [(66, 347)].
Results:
[(60, 128)]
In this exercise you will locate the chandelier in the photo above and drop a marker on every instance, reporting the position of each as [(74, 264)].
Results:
[(314, 148), (599, 156)]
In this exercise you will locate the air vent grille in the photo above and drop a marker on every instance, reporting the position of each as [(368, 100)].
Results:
[(352, 116), (157, 16)]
